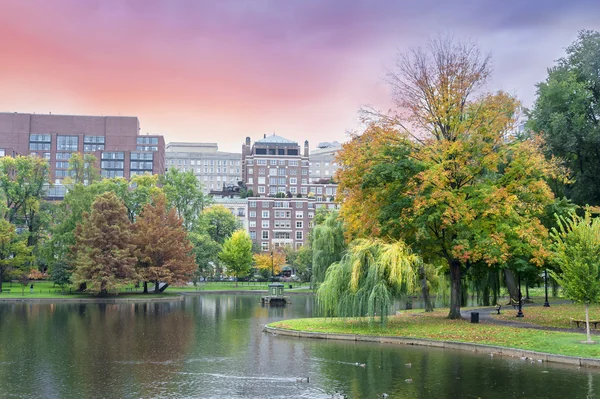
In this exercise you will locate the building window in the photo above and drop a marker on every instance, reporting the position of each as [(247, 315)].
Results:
[(303, 190), (304, 171), (298, 235), (261, 180), (299, 214), (147, 140), (281, 180), (311, 215), (292, 172), (281, 172), (261, 189), (273, 162), (293, 163), (67, 143), (265, 235), (265, 224), (299, 224), (293, 180), (265, 214), (273, 172), (252, 223), (261, 171), (39, 142), (265, 204), (252, 234), (93, 143), (252, 204), (63, 156), (252, 214), (62, 165), (264, 246), (299, 204)]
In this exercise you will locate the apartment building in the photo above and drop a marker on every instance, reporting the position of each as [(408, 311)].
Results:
[(115, 141), (284, 201), (213, 168), (322, 162)]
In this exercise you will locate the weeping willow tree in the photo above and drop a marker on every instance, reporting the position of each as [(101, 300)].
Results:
[(368, 278), (328, 244)]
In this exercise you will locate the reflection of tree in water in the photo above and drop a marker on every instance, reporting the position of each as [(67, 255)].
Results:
[(101, 348)]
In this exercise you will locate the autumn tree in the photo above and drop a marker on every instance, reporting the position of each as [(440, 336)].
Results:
[(103, 252), (444, 174), (271, 261), (162, 246), (237, 254), (567, 114), (14, 252), (576, 249)]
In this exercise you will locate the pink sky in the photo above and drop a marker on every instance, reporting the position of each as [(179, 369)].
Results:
[(219, 71)]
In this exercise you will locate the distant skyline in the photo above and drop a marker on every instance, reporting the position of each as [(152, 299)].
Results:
[(218, 71)]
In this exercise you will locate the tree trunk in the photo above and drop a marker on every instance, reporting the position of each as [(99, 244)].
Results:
[(511, 285), (455, 294), (156, 289), (425, 289), (1, 278), (236, 281), (164, 287), (145, 287), (587, 325), (527, 290)]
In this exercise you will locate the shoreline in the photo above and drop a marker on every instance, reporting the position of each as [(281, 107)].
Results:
[(526, 355)]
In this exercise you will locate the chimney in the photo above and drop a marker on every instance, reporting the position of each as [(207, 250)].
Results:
[(306, 148), (265, 136)]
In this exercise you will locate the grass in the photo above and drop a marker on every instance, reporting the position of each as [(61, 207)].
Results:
[(47, 290), (557, 315), (436, 326)]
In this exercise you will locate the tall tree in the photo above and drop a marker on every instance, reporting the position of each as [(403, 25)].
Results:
[(219, 223), (103, 251), (446, 175), (237, 254), (206, 250), (82, 169), (22, 183), (14, 252), (162, 245), (328, 245), (567, 114), (184, 193), (577, 253)]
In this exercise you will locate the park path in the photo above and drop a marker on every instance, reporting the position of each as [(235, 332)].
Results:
[(486, 317)]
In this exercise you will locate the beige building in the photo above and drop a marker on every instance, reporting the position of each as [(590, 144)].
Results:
[(213, 168)]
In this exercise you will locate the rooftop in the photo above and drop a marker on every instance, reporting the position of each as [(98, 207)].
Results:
[(274, 139)]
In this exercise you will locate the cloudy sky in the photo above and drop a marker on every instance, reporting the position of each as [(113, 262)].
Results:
[(221, 70)]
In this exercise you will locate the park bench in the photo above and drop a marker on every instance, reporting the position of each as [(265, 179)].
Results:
[(582, 322), (5, 290), (514, 304), (498, 307)]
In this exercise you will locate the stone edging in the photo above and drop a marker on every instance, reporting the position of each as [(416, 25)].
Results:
[(465, 346), (240, 292), (177, 298)]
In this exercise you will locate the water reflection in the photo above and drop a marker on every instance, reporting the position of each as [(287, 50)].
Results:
[(213, 346)]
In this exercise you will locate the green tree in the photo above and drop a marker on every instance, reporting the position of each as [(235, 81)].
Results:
[(237, 254), (567, 114), (14, 252), (103, 251), (162, 246), (206, 250), (328, 245), (218, 222), (184, 193), (301, 260), (82, 169), (368, 279), (577, 252)]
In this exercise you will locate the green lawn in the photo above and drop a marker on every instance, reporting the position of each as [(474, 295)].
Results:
[(47, 289), (436, 326), (554, 316)]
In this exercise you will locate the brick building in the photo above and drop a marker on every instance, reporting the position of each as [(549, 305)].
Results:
[(282, 209), (114, 140)]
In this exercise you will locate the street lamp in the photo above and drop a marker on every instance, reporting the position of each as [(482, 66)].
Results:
[(272, 268), (520, 312), (546, 304)]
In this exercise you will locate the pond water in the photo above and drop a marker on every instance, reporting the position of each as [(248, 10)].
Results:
[(212, 346)]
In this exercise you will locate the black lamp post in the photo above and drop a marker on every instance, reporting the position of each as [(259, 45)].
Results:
[(546, 304), (272, 268), (520, 312)]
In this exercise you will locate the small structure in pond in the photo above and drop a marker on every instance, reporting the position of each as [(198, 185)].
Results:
[(275, 296)]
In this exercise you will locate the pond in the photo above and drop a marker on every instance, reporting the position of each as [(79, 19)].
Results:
[(212, 346)]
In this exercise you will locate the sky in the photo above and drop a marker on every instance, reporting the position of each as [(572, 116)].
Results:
[(222, 70)]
